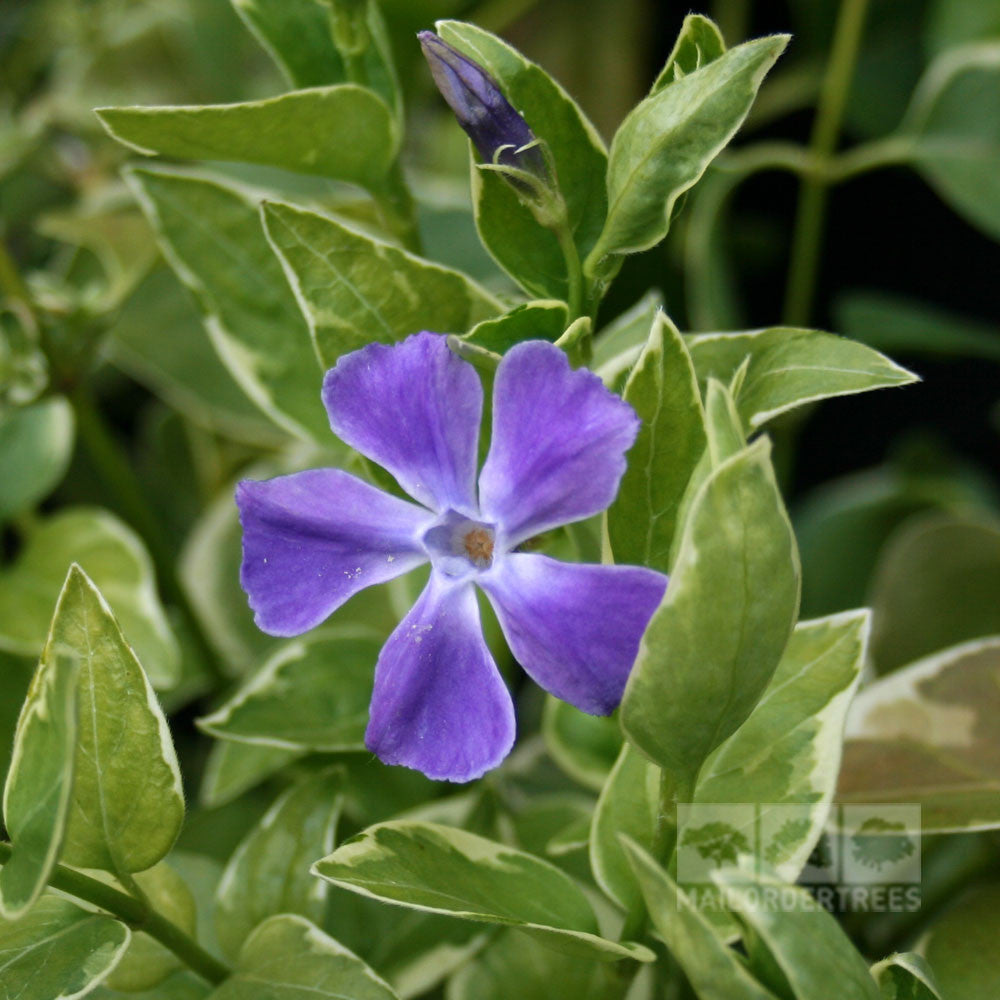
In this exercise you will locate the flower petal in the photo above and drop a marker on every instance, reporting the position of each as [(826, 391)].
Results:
[(559, 443), (414, 408), (575, 628), (313, 539), (439, 704)]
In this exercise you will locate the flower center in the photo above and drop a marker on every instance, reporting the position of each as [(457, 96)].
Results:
[(459, 546), (479, 546)]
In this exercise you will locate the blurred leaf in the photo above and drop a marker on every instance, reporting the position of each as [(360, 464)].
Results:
[(114, 557), (804, 941), (538, 972), (58, 950), (954, 22), (269, 871), (39, 785), (35, 446), (339, 277), (667, 142), (232, 768), (936, 584), (146, 963), (663, 391), (158, 339), (905, 976), (584, 746), (894, 323), (297, 34), (345, 132), (526, 250), (789, 368), (714, 970), (542, 320), (961, 946), (127, 804), (843, 524), (449, 871), (210, 234), (311, 694), (698, 43), (709, 644), (927, 735), (954, 126), (287, 957)]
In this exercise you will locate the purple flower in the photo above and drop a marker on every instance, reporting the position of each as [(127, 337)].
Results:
[(313, 539), (497, 131)]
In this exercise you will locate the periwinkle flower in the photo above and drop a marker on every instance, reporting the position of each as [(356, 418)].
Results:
[(497, 131), (313, 539)]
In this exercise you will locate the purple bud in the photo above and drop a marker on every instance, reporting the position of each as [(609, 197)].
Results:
[(495, 128)]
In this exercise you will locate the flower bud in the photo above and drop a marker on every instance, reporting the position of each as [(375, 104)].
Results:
[(497, 131)]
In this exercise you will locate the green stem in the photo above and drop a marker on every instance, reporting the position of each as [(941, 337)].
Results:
[(137, 914), (674, 789), (574, 271), (813, 193), (398, 209), (119, 479)]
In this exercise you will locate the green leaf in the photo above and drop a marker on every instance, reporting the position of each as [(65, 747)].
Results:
[(58, 950), (905, 976), (158, 339), (844, 523), (346, 132), (952, 129), (526, 250), (584, 746), (515, 962), (664, 393), (297, 35), (35, 445), (714, 970), (898, 323), (927, 735), (617, 345), (961, 946), (445, 870), (790, 367), (114, 557), (786, 756), (287, 958), (699, 43), (311, 694), (629, 805), (543, 320), (667, 142), (339, 277), (935, 585), (234, 768), (716, 639), (210, 234), (804, 941), (146, 963), (269, 871), (39, 784), (127, 803)]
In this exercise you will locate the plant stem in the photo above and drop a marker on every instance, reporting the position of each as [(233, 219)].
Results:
[(137, 914), (574, 271), (119, 479), (811, 212), (398, 209)]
